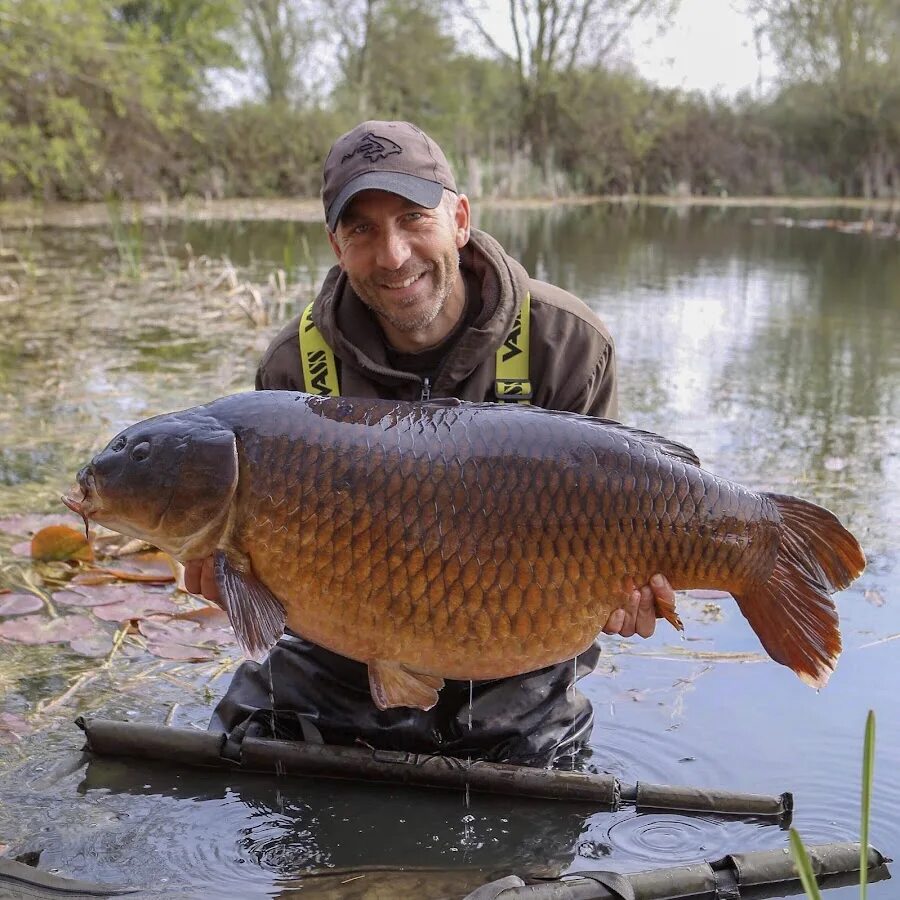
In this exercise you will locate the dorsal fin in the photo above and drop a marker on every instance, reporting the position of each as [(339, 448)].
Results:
[(663, 444)]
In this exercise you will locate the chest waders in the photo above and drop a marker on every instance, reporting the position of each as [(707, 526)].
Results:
[(511, 382)]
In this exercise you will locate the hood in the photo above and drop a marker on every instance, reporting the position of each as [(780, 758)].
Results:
[(352, 331)]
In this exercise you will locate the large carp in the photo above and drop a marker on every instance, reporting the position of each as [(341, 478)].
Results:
[(459, 540)]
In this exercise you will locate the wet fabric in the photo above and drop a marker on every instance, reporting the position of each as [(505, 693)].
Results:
[(533, 719)]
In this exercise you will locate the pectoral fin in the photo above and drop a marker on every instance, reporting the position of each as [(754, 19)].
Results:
[(255, 613), (393, 685)]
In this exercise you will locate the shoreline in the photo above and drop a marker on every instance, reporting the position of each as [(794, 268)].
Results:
[(25, 214)]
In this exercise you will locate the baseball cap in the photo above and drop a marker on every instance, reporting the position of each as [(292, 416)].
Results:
[(385, 156)]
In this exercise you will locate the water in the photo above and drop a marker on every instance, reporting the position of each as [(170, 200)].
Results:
[(774, 353)]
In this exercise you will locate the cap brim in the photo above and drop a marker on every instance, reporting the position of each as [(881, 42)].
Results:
[(417, 190)]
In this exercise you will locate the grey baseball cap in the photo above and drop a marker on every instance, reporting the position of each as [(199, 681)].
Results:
[(385, 156)]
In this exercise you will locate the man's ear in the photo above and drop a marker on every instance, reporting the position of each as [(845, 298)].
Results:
[(336, 247), (462, 218)]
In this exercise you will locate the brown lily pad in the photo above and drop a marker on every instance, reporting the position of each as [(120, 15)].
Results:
[(19, 604), (100, 595), (180, 652), (136, 607), (60, 542), (209, 615), (41, 630), (94, 576), (153, 568)]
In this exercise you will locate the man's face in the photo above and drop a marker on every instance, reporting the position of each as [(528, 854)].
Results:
[(402, 259)]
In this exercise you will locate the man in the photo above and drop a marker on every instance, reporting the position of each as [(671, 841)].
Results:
[(417, 308)]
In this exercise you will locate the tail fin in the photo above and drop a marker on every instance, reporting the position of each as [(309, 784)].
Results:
[(792, 614)]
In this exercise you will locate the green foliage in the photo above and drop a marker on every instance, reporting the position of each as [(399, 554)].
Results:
[(112, 98), (257, 150), (93, 92)]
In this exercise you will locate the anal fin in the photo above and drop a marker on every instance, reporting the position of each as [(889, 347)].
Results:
[(255, 613), (393, 685)]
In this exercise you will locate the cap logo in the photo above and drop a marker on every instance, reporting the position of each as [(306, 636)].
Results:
[(374, 147)]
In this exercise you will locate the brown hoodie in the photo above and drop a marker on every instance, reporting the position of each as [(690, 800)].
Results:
[(572, 359)]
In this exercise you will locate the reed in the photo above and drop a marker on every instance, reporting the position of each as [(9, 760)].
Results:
[(798, 850)]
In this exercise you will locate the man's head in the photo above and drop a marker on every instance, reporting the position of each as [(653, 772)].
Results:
[(396, 225), (385, 156)]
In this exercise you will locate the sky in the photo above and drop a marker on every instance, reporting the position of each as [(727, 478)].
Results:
[(708, 46)]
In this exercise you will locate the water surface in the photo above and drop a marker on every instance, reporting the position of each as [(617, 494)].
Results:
[(773, 352)]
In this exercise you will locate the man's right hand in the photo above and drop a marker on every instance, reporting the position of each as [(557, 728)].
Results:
[(200, 578)]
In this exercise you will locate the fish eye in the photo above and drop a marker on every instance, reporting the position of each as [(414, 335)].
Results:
[(140, 451), (118, 444)]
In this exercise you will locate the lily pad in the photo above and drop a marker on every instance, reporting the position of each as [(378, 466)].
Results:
[(94, 576), (209, 615), (136, 607), (19, 604), (184, 631), (100, 595), (60, 542), (153, 568), (180, 652), (42, 630)]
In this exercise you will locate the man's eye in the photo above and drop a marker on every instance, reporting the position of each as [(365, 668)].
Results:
[(413, 216), (359, 229)]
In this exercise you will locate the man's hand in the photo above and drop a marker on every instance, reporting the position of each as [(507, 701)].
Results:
[(638, 616), (199, 578)]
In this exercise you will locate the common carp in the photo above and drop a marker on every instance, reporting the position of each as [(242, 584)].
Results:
[(459, 540)]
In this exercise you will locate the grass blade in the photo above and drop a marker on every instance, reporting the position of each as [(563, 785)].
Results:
[(804, 867), (867, 775)]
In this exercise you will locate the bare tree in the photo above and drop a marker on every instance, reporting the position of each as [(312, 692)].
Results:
[(551, 38), (280, 31)]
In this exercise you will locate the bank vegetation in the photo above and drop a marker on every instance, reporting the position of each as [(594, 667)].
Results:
[(136, 99)]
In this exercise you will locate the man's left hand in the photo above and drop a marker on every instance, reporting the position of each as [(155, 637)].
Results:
[(639, 615)]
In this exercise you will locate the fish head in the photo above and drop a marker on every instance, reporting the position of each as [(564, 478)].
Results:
[(167, 480)]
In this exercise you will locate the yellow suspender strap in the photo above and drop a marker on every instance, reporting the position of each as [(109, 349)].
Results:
[(319, 366), (512, 384)]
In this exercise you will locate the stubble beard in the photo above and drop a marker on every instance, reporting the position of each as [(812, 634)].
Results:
[(443, 271)]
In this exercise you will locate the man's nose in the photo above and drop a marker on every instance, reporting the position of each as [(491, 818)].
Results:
[(392, 251)]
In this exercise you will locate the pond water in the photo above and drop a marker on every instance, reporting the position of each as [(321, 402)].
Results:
[(774, 352)]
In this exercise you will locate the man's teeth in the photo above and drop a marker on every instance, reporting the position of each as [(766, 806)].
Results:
[(407, 283)]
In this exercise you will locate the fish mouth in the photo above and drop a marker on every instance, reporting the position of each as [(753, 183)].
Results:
[(88, 504)]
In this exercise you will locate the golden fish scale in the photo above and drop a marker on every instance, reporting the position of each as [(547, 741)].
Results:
[(478, 544)]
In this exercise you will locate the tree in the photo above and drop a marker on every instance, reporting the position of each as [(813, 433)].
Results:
[(95, 95), (551, 38), (280, 32), (846, 54)]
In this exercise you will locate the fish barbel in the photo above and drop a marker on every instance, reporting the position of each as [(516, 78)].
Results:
[(459, 540)]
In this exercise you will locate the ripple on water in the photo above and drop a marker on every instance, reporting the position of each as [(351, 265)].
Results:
[(626, 839), (634, 754)]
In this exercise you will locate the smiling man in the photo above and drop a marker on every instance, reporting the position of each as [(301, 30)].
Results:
[(422, 306)]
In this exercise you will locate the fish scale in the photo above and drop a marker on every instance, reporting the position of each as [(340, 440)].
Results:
[(456, 540)]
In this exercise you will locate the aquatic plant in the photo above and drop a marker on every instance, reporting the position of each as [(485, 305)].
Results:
[(801, 857), (127, 237)]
